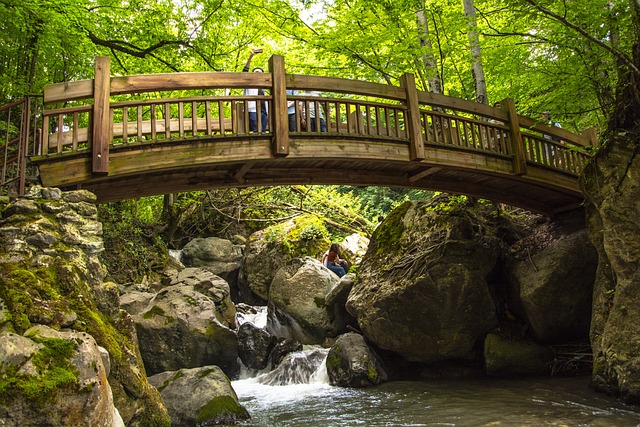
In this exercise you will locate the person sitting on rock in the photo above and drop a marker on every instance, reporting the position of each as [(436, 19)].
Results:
[(334, 263)]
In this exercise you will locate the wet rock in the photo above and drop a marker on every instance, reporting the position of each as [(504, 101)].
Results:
[(508, 356), (255, 345), (200, 396), (352, 363)]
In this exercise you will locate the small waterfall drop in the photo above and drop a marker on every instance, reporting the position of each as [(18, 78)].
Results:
[(300, 367)]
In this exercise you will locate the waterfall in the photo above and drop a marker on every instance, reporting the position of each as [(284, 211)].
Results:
[(300, 367)]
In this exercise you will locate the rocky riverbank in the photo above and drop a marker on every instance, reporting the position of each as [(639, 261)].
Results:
[(444, 288)]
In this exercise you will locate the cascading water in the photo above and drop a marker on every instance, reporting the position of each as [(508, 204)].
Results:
[(298, 393)]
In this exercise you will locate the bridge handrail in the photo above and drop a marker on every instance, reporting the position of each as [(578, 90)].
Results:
[(419, 117)]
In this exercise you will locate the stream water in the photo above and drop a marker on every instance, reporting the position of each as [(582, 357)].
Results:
[(485, 402), (298, 393)]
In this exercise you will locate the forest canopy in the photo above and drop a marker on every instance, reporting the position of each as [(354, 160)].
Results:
[(562, 56)]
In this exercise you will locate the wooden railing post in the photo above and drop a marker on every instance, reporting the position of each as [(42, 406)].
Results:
[(24, 143), (279, 108), (414, 128), (591, 135), (515, 140), (101, 118)]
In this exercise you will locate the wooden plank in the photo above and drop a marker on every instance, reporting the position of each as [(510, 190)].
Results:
[(125, 126), (167, 120), (101, 135), (68, 91), (424, 173), (340, 85), (279, 113), (239, 176), (516, 141), (187, 81)]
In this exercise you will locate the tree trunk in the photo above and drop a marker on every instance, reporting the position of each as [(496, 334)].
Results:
[(428, 60), (479, 83)]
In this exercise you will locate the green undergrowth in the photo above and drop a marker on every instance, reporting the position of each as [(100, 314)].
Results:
[(305, 235)]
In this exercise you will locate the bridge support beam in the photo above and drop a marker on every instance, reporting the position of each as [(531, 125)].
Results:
[(280, 119), (101, 116), (515, 138)]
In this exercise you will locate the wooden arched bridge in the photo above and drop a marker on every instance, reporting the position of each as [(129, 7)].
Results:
[(131, 136)]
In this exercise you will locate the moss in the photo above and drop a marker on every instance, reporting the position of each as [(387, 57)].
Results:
[(372, 373), (320, 302), (221, 408), (55, 373), (191, 300), (334, 359), (389, 235), (154, 311), (304, 235), (31, 295)]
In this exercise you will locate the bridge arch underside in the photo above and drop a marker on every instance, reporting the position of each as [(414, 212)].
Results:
[(162, 168)]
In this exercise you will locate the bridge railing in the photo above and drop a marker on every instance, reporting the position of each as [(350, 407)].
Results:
[(19, 129), (349, 109)]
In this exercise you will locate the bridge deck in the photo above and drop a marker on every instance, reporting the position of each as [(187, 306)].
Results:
[(376, 135)]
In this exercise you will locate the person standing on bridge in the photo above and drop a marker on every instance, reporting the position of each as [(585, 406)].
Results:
[(316, 119), (294, 108), (252, 105)]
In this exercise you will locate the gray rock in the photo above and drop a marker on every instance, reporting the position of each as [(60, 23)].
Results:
[(297, 302), (78, 196), (554, 287), (200, 396), (422, 286), (181, 328), (352, 363)]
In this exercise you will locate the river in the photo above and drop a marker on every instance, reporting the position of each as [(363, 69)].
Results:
[(457, 402), (298, 393)]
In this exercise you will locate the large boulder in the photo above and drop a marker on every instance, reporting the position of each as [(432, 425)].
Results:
[(611, 183), (220, 256), (200, 396), (60, 379), (182, 328), (552, 288), (422, 287), (297, 302), (205, 281), (267, 250), (51, 274), (352, 363)]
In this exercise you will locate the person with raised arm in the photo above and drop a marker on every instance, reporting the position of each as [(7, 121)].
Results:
[(252, 105)]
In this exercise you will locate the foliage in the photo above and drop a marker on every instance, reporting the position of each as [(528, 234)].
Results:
[(134, 247)]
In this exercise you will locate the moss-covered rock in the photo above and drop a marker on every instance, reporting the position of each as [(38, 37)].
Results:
[(421, 290), (611, 182), (270, 248), (212, 400), (508, 356), (50, 274)]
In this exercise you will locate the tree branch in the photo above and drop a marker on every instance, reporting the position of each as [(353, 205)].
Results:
[(563, 20)]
